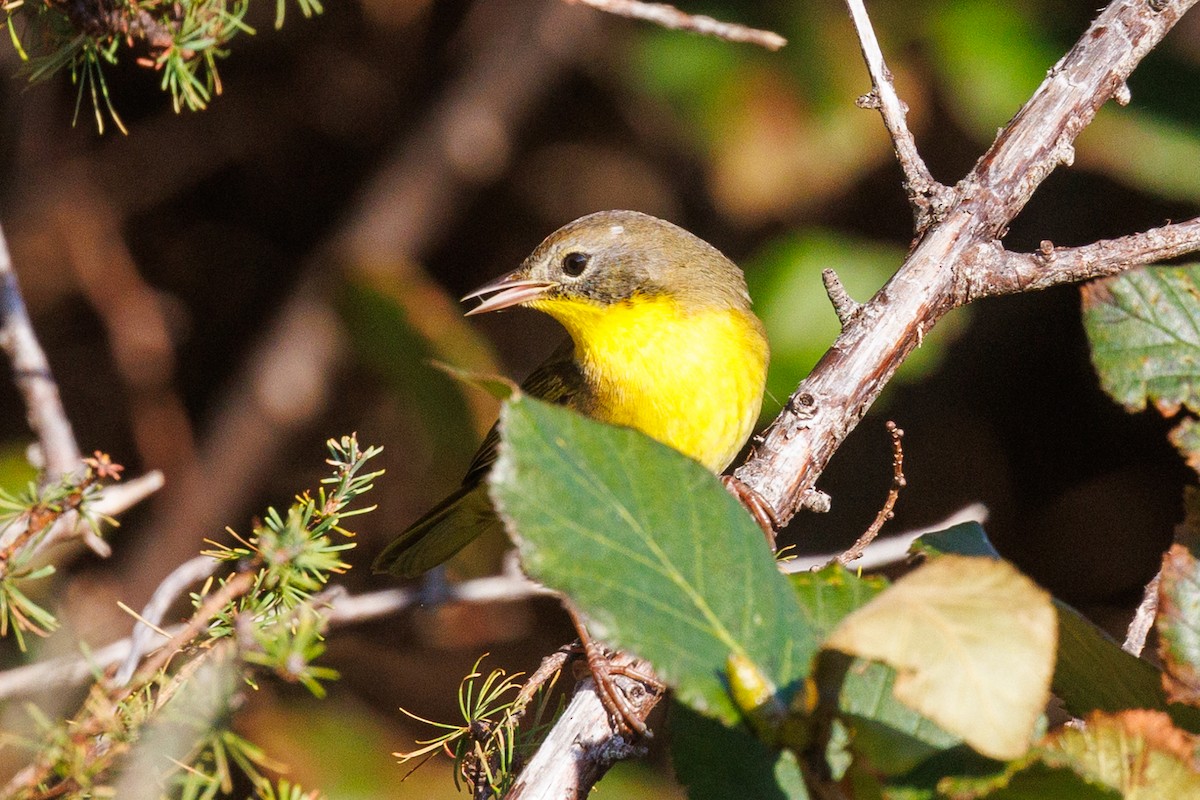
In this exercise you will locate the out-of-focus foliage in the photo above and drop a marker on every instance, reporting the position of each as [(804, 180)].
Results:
[(775, 129), (184, 41), (15, 469)]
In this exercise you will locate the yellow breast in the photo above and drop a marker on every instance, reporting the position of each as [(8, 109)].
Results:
[(692, 379)]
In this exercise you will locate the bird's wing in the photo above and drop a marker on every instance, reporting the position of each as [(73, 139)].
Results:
[(444, 530), (452, 524), (557, 380)]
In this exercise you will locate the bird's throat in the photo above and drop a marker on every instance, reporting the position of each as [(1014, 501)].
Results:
[(690, 378)]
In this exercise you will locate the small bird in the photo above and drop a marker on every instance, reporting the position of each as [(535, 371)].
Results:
[(662, 339)]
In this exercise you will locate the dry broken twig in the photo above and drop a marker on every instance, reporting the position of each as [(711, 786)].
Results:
[(1143, 618), (670, 17), (927, 197), (885, 513)]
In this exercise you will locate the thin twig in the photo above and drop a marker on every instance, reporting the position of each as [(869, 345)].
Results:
[(1143, 619), (927, 197), (994, 271), (670, 17), (47, 418), (890, 550), (547, 672), (172, 587), (340, 609), (229, 591), (113, 500), (31, 370), (885, 513)]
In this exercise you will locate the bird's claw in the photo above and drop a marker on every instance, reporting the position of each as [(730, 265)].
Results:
[(623, 712), (754, 502)]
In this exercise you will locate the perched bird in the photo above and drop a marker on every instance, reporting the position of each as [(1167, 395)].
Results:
[(662, 339)]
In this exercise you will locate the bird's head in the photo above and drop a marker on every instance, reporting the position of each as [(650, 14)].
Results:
[(613, 257)]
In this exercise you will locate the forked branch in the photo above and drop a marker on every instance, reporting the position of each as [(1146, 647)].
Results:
[(927, 197), (947, 267)]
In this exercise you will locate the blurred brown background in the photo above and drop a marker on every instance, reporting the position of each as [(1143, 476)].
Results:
[(219, 292)]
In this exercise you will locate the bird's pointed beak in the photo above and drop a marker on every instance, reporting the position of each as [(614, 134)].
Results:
[(507, 291)]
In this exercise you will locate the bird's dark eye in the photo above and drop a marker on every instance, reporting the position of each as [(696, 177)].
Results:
[(574, 264)]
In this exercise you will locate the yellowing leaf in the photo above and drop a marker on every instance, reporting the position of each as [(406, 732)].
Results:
[(1140, 753), (972, 641), (1178, 625)]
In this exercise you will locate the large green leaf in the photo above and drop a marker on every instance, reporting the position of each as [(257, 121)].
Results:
[(661, 560), (1144, 327)]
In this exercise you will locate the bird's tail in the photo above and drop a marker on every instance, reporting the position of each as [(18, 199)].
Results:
[(448, 527)]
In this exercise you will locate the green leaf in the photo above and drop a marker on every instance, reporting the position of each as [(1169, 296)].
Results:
[(1094, 674), (1138, 753), (964, 539), (1178, 624), (973, 643), (1091, 672), (892, 737), (661, 560), (1144, 328), (717, 762), (497, 386), (829, 594)]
